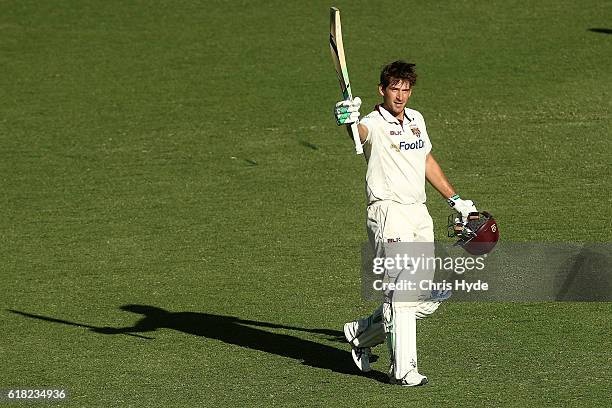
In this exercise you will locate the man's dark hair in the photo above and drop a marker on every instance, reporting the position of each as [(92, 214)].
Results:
[(398, 71)]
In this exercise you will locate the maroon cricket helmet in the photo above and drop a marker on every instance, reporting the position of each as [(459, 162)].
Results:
[(478, 235)]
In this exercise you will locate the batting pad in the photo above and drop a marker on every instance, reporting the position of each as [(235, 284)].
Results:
[(373, 333), (402, 339)]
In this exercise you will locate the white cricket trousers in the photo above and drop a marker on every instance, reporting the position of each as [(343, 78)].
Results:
[(387, 222)]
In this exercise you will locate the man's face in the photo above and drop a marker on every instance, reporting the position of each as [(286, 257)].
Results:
[(395, 97)]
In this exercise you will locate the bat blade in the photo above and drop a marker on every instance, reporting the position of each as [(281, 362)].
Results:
[(336, 46)]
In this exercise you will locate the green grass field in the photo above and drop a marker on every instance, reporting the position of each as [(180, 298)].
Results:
[(183, 156)]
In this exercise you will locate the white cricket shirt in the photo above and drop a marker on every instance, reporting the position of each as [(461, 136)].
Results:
[(396, 154)]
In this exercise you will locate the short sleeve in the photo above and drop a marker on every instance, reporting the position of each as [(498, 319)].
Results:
[(367, 122)]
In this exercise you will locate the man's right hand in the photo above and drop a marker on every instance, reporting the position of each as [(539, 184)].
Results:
[(347, 112)]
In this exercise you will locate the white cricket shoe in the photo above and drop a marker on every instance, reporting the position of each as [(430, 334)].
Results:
[(361, 357), (412, 379)]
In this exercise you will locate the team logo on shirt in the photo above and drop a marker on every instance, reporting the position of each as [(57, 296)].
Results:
[(415, 130), (419, 144)]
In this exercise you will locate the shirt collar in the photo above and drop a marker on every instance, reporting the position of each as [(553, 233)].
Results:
[(389, 117)]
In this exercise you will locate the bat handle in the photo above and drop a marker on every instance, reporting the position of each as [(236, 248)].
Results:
[(356, 139)]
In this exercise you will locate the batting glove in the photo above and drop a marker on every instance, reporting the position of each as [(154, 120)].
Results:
[(347, 112), (465, 207)]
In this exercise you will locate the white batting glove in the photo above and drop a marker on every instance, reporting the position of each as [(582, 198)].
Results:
[(465, 207), (347, 112)]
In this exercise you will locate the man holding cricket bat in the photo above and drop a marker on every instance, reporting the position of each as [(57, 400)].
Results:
[(399, 159)]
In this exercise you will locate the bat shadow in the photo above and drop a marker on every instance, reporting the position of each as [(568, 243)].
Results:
[(601, 30), (249, 334)]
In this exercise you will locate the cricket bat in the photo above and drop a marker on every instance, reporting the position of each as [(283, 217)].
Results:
[(337, 50)]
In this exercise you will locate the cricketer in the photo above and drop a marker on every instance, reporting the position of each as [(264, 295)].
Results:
[(397, 150)]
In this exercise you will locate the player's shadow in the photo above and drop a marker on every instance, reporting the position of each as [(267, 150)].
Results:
[(232, 330)]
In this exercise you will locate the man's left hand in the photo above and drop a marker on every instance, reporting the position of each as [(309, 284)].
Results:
[(465, 207)]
